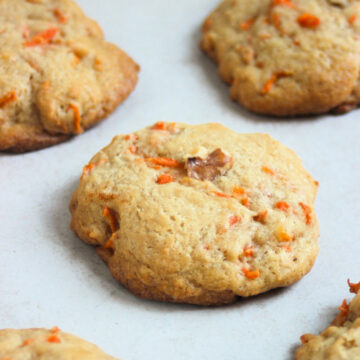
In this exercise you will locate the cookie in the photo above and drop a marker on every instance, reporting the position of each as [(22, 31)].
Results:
[(340, 341), (198, 214), (287, 57), (58, 76), (46, 344)]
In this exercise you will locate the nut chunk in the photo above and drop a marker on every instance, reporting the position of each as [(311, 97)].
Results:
[(214, 165)]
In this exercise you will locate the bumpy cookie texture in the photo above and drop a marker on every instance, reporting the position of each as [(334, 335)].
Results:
[(57, 74), (341, 341), (287, 57), (198, 214), (46, 344)]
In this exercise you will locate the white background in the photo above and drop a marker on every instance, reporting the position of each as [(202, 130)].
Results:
[(49, 277)]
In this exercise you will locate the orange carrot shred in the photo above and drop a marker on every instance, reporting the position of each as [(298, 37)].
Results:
[(260, 217), (160, 125), (28, 342), (164, 179), (221, 194), (306, 338), (286, 247), (283, 2), (43, 38), (60, 16), (87, 169), (162, 161), (307, 212), (233, 220), (343, 315), (284, 237), (252, 275), (282, 205), (245, 201), (108, 244), (238, 190), (308, 21), (77, 118), (53, 339), (9, 97), (133, 149), (248, 251), (354, 288), (55, 329), (111, 217), (247, 24), (268, 170), (352, 19), (270, 83)]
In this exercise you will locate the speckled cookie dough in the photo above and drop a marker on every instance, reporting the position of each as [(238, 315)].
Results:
[(198, 214), (287, 57), (58, 76)]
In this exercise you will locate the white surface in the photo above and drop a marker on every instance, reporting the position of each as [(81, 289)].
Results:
[(48, 276)]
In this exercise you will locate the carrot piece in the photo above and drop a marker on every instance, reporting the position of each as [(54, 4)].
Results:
[(8, 98), (282, 205), (222, 195), (60, 16), (164, 179), (162, 161), (109, 244), (260, 217), (238, 190), (111, 217), (352, 19), (28, 342), (306, 338), (43, 38), (354, 288), (268, 170), (251, 275), (276, 21), (343, 315), (270, 83), (309, 21), (283, 2), (54, 329), (283, 236), (54, 339), (307, 212), (248, 251), (286, 247), (87, 169), (77, 118), (233, 220), (247, 24), (245, 201), (133, 149), (160, 125)]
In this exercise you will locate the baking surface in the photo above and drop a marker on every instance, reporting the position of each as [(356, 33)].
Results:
[(49, 277)]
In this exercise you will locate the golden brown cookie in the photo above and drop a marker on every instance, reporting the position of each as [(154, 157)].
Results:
[(340, 341), (58, 76), (287, 57), (198, 214), (45, 344)]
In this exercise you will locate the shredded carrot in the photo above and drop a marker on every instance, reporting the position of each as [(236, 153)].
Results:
[(352, 19), (245, 201), (233, 220), (260, 217), (43, 38), (308, 21), (282, 205), (306, 338), (109, 244), (316, 182), (127, 137), (87, 169), (286, 247), (248, 251), (283, 236), (53, 339), (276, 21), (8, 98), (268, 170), (133, 149), (28, 342), (162, 161), (111, 217), (307, 212), (164, 179), (60, 16), (354, 288), (270, 83), (207, 24), (238, 190), (252, 275), (55, 329), (221, 194), (283, 2), (77, 118), (247, 24), (343, 315), (160, 125)]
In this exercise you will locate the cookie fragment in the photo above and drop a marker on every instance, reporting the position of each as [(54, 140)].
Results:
[(52, 344), (287, 57), (198, 213), (58, 76)]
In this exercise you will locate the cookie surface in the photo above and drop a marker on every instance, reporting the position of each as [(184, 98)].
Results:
[(57, 74), (341, 341), (287, 57), (46, 344), (198, 214)]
